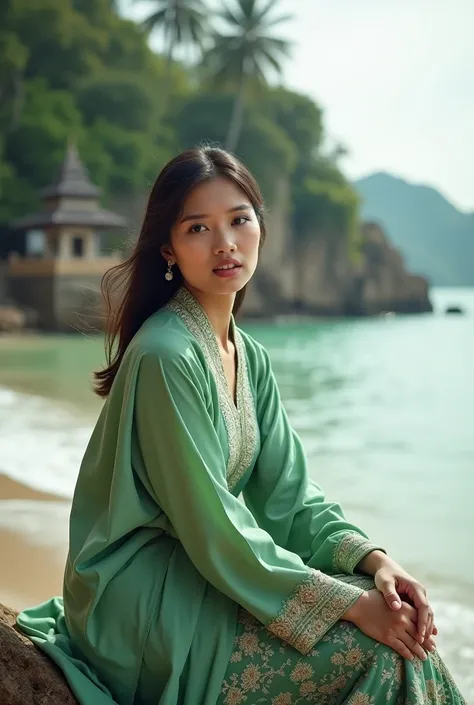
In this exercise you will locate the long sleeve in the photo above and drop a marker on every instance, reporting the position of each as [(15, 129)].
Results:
[(185, 466), (286, 502)]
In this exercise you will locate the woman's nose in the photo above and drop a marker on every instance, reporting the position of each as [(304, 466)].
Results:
[(225, 243)]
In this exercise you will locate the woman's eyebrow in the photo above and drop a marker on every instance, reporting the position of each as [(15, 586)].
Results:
[(196, 216)]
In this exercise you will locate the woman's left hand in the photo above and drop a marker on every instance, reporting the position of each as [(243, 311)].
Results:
[(395, 583)]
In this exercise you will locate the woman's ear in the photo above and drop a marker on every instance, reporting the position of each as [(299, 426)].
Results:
[(167, 253)]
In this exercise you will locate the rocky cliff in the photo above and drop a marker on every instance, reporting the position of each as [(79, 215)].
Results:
[(318, 276)]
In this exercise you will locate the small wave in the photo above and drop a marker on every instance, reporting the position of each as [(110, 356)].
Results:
[(42, 441), (455, 622), (42, 444)]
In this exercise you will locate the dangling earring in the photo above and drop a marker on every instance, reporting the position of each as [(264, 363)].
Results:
[(169, 273)]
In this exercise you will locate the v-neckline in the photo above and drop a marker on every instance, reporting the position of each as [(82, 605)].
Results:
[(233, 395), (207, 335), (239, 414)]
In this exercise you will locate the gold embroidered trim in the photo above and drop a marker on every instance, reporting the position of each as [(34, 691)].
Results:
[(316, 604), (246, 416), (350, 550), (240, 418)]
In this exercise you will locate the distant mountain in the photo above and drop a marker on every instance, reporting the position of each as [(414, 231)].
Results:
[(435, 238)]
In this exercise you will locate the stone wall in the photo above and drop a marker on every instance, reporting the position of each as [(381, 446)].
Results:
[(65, 303), (78, 303), (35, 294)]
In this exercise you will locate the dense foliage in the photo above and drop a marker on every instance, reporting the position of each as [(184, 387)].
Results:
[(77, 70)]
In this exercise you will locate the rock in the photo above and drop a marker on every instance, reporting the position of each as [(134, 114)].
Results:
[(319, 278), (454, 309), (12, 319), (381, 283), (27, 676), (317, 275)]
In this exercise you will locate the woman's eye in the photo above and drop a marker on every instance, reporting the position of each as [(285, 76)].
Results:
[(242, 218), (194, 228)]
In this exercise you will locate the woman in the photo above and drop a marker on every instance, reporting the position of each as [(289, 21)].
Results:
[(175, 590)]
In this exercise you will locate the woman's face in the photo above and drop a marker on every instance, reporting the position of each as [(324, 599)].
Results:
[(215, 242)]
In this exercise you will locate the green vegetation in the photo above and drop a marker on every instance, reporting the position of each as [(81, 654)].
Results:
[(77, 70)]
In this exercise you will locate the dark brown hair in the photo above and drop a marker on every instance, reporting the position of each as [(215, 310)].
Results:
[(136, 288)]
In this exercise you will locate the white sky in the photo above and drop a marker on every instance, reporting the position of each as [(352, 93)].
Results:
[(395, 79)]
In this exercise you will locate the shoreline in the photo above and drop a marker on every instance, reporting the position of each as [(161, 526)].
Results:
[(33, 549), (33, 543)]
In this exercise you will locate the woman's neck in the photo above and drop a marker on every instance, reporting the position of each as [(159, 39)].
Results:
[(218, 308)]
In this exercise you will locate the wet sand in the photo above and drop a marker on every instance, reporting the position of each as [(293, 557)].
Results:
[(33, 544)]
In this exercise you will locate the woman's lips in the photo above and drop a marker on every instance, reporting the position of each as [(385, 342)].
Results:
[(228, 273)]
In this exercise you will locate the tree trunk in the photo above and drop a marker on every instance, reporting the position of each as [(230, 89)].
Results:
[(18, 100), (166, 91), (235, 126)]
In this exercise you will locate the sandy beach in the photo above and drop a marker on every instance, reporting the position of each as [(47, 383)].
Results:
[(33, 544)]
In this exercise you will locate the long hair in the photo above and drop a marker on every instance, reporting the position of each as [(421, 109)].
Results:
[(136, 288)]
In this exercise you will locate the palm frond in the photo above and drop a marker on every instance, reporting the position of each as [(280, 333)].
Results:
[(270, 59), (247, 8), (181, 21), (156, 20), (265, 10), (277, 45), (247, 49), (277, 20), (229, 15)]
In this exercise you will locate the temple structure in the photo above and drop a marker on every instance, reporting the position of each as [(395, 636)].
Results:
[(57, 268)]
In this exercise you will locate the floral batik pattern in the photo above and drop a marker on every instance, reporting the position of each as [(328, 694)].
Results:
[(345, 667)]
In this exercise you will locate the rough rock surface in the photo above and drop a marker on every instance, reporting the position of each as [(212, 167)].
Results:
[(318, 278), (27, 677), (12, 319), (382, 283)]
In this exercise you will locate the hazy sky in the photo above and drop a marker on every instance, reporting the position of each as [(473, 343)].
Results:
[(396, 81)]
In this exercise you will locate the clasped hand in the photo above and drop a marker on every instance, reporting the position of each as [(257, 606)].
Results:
[(397, 614)]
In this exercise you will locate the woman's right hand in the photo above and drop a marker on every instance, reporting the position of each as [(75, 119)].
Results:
[(397, 629)]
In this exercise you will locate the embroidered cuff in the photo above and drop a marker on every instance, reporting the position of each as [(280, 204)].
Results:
[(312, 609), (350, 550)]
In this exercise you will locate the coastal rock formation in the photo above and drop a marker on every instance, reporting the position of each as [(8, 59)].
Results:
[(27, 677), (381, 283), (319, 277), (12, 319)]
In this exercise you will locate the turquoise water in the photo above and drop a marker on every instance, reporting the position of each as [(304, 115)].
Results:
[(385, 407)]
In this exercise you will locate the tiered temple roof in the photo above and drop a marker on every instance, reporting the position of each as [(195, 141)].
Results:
[(72, 199)]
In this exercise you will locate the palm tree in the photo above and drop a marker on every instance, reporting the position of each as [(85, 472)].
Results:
[(245, 53), (182, 22)]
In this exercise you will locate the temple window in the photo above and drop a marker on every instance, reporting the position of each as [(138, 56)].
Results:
[(78, 246)]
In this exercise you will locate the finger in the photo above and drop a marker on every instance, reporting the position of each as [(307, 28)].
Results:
[(430, 644), (401, 649), (413, 615), (423, 614), (435, 630), (424, 610), (411, 612), (413, 646), (411, 629), (390, 594), (429, 626)]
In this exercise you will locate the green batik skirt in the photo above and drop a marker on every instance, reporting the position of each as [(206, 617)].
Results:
[(346, 667)]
